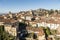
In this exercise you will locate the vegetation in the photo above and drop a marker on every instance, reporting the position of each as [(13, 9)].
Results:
[(53, 32), (4, 35), (32, 35), (33, 19), (57, 38), (48, 31), (42, 27), (51, 11)]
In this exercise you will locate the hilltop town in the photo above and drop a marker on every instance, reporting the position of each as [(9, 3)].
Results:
[(39, 24)]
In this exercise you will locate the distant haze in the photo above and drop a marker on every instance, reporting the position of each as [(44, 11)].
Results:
[(19, 5)]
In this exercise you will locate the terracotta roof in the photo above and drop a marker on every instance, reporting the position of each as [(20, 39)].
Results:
[(1, 17), (8, 20), (55, 15), (40, 30)]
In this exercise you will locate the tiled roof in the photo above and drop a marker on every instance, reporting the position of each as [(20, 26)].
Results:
[(40, 30)]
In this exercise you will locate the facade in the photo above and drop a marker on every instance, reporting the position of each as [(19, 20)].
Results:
[(11, 28)]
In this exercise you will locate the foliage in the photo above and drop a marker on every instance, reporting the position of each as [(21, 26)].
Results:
[(42, 27), (57, 38), (51, 11), (33, 19), (48, 31), (53, 32), (4, 35), (56, 11)]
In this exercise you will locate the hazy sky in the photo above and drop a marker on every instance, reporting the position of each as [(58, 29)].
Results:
[(19, 5)]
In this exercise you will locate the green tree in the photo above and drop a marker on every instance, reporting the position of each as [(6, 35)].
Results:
[(4, 35), (51, 11), (48, 31), (53, 32), (56, 11)]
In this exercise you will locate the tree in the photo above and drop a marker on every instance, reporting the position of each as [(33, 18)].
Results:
[(48, 31), (53, 32), (56, 11), (9, 12), (51, 11), (33, 19), (34, 36), (4, 35)]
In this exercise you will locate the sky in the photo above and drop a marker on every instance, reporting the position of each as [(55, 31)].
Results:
[(23, 5)]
